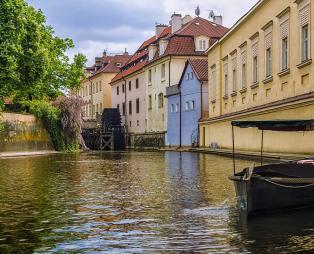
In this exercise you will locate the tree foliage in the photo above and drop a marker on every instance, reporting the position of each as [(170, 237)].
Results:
[(33, 61), (62, 119)]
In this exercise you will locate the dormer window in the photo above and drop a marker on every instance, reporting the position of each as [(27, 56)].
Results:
[(118, 64), (202, 45), (161, 49)]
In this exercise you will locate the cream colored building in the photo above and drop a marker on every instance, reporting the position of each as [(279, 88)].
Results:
[(262, 70), (189, 38), (96, 89)]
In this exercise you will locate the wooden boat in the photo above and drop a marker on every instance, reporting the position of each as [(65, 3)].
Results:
[(275, 187)]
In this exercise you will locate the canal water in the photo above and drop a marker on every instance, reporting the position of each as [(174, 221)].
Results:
[(137, 202)]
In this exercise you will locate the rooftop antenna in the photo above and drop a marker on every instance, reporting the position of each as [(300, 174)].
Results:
[(197, 11), (211, 14)]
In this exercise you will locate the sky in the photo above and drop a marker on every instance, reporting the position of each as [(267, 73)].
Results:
[(113, 25)]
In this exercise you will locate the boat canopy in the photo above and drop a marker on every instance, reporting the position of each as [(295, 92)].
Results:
[(277, 125)]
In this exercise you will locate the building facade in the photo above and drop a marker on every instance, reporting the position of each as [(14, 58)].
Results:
[(261, 70), (95, 89), (187, 103), (129, 86), (189, 38)]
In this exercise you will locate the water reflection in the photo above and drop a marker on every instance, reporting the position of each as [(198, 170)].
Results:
[(139, 202)]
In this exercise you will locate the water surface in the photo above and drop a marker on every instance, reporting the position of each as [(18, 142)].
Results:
[(138, 202)]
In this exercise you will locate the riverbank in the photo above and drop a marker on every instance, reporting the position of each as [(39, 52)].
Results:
[(247, 155), (25, 154)]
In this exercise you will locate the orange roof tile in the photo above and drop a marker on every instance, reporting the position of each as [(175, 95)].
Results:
[(129, 71), (200, 68)]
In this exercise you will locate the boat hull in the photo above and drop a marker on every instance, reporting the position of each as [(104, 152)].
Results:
[(258, 196)]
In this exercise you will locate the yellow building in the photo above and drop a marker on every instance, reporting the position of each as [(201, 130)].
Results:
[(96, 89), (261, 70)]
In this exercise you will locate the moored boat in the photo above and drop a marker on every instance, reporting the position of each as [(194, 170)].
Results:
[(279, 186)]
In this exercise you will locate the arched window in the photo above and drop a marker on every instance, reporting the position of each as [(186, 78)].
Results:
[(161, 100)]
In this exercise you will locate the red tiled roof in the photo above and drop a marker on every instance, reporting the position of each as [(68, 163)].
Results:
[(129, 71), (199, 26), (200, 68), (137, 56), (111, 64), (180, 46), (151, 40)]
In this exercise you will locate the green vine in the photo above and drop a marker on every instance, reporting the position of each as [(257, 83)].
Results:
[(51, 118)]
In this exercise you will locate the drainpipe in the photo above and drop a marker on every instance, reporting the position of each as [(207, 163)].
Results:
[(180, 132), (170, 71), (199, 127), (125, 106)]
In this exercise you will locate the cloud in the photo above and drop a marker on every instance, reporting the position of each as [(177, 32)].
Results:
[(95, 25)]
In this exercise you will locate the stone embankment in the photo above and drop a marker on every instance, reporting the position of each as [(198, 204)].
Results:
[(23, 135)]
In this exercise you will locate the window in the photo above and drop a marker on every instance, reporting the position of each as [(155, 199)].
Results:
[(304, 19), (188, 76), (202, 44), (255, 69), (234, 73), (161, 48), (118, 90), (192, 105), (118, 64), (192, 75), (234, 80), (268, 63), (130, 85), (130, 107), (137, 106), (284, 52), (225, 70), (138, 123), (130, 124), (161, 100), (137, 83), (187, 106), (255, 62), (93, 88), (172, 108), (100, 108), (163, 71), (90, 89), (243, 76), (118, 106), (100, 86), (97, 87), (305, 43), (268, 52), (150, 102), (213, 78), (123, 88), (123, 108), (150, 76), (177, 107), (243, 67)]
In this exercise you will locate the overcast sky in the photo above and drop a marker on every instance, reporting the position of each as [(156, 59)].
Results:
[(95, 25)]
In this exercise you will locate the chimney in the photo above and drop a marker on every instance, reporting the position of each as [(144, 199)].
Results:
[(176, 22), (159, 29), (186, 19), (104, 54), (126, 53), (218, 20)]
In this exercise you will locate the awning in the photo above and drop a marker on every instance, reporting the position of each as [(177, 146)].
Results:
[(277, 125)]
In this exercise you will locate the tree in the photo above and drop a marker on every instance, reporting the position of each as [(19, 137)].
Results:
[(33, 61)]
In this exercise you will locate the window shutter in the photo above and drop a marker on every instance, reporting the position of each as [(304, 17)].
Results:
[(305, 15), (268, 40), (284, 29), (234, 62), (243, 56), (226, 68), (255, 49)]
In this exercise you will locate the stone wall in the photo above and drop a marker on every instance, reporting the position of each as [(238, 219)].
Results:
[(23, 133)]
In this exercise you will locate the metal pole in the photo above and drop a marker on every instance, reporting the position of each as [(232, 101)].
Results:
[(233, 151), (262, 147)]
